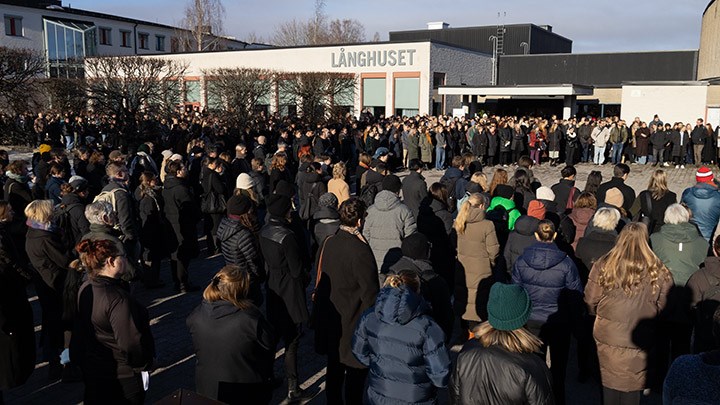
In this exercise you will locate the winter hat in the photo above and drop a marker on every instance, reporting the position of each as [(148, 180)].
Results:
[(79, 183), (44, 148), (545, 193), (392, 183), (285, 189), (704, 175), (381, 151), (166, 154), (614, 197), (328, 200), (244, 181), (504, 191), (536, 209), (416, 246), (176, 157), (508, 307), (238, 205), (144, 148), (278, 205)]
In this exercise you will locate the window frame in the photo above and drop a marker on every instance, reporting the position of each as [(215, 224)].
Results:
[(158, 39), (143, 40), (12, 30), (108, 39), (123, 43)]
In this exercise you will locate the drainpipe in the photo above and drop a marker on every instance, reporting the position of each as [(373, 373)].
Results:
[(135, 38)]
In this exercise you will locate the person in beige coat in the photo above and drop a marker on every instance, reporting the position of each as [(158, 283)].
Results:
[(627, 290), (337, 184), (477, 250)]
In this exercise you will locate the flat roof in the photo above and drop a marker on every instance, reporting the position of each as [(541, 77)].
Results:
[(528, 90)]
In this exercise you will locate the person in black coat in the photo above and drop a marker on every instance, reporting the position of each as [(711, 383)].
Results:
[(74, 197), (234, 343), (522, 237), (112, 341), (213, 182), (17, 336), (153, 227), (182, 215), (239, 245), (414, 187), (435, 222), (597, 241), (347, 286), (565, 190), (287, 279), (326, 219), (620, 175)]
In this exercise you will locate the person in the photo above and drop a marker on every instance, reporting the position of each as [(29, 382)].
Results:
[(579, 218), (402, 345), (435, 222), (414, 187), (522, 237), (593, 182), (112, 341), (337, 185), (16, 190), (703, 199), (241, 163), (500, 177), (551, 279), (503, 202), (692, 379), (654, 201), (697, 136), (565, 191), (56, 178), (74, 197), (51, 260), (347, 285), (503, 345), (598, 239), (477, 251), (182, 215), (234, 344), (621, 172), (705, 299), (600, 136), (632, 284), (153, 227), (287, 278), (388, 222), (326, 219), (239, 246), (213, 183), (17, 334), (125, 206)]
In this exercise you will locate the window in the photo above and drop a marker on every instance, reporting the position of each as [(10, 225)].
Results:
[(438, 80), (68, 44), (143, 41), (192, 91), (126, 39), (160, 43), (13, 26), (407, 96), (105, 36)]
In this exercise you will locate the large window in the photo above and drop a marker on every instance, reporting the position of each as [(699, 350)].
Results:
[(68, 43), (407, 96), (192, 91), (125, 39), (160, 43), (105, 36), (374, 95), (13, 26), (144, 40)]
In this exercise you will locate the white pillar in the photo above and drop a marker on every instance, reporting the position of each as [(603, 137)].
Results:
[(569, 107)]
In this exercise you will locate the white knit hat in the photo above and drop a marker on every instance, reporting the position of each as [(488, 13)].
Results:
[(545, 193), (244, 181), (166, 154), (177, 157)]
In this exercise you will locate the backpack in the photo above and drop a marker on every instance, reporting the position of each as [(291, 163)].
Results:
[(63, 221), (110, 197), (450, 184), (368, 193)]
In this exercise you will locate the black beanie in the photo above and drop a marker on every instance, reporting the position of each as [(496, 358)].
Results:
[(238, 205), (392, 183), (504, 191), (416, 246), (278, 205)]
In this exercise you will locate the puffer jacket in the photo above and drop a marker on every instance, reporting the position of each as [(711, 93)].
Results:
[(548, 274), (522, 237), (626, 328), (509, 205), (704, 201), (681, 248), (495, 376), (404, 349), (239, 246), (388, 221)]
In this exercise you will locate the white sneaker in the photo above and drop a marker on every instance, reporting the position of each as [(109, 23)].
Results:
[(682, 166), (666, 164), (677, 166)]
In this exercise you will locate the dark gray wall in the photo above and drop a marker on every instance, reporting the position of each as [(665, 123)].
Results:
[(598, 69)]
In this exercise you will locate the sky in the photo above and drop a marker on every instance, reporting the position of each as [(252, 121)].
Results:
[(594, 26)]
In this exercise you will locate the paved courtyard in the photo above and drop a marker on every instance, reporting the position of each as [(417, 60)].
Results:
[(168, 310)]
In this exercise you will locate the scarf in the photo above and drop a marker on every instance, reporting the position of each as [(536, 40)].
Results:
[(41, 226), (17, 177)]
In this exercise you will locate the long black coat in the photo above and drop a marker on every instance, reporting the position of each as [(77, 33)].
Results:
[(48, 256), (181, 212), (234, 347), (435, 222), (78, 222), (154, 227), (414, 191)]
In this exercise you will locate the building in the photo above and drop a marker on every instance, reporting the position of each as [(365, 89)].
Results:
[(65, 36)]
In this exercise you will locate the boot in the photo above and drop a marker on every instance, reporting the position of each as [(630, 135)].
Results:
[(297, 395)]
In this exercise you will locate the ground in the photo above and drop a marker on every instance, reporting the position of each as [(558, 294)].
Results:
[(168, 311)]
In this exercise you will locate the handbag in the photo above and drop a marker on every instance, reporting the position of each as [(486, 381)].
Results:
[(212, 203)]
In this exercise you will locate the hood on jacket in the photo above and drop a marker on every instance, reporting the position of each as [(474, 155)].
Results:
[(452, 173), (526, 225), (475, 215), (542, 256), (680, 233), (399, 305), (418, 266), (506, 203), (582, 215), (703, 191), (326, 213), (172, 182), (712, 269), (386, 200), (218, 309)]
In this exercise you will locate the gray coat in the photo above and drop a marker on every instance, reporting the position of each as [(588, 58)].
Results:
[(388, 221)]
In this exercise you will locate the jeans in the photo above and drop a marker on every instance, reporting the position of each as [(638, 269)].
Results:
[(642, 159), (617, 149), (585, 152), (599, 155), (69, 142), (658, 155), (439, 158)]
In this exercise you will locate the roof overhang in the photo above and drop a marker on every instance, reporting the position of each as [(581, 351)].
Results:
[(525, 91)]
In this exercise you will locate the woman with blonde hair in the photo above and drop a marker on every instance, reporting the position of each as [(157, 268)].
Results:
[(337, 184), (651, 204), (234, 343), (504, 345), (477, 250), (627, 290)]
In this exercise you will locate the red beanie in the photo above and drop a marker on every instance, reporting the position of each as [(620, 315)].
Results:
[(536, 209), (704, 175)]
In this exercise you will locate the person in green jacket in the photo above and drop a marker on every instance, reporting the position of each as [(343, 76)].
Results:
[(679, 244), (504, 199)]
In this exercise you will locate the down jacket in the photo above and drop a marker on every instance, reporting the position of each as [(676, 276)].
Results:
[(495, 376), (704, 201), (548, 274), (404, 349), (239, 246), (626, 328), (388, 221)]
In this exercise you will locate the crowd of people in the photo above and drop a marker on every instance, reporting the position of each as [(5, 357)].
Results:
[(318, 233)]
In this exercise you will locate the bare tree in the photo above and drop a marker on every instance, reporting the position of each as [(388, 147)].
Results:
[(291, 33), (239, 89), (19, 71), (345, 31), (202, 25), (318, 30), (376, 37), (254, 38), (318, 93), (66, 94)]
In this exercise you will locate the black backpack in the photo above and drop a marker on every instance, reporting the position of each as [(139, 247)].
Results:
[(310, 206), (63, 221), (368, 193), (450, 186)]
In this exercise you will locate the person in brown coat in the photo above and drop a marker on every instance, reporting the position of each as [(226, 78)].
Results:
[(477, 250), (704, 286), (627, 289)]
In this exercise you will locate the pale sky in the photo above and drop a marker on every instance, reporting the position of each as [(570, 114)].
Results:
[(594, 26)]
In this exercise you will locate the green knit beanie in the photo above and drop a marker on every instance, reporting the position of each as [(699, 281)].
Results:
[(508, 307)]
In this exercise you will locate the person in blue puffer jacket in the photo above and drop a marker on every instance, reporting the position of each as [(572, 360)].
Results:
[(703, 199), (401, 344), (551, 279)]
